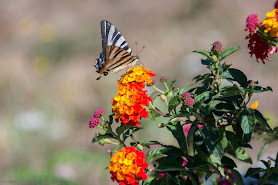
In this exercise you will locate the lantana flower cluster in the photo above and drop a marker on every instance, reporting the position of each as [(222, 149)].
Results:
[(95, 120), (130, 99), (188, 100), (262, 36), (127, 166)]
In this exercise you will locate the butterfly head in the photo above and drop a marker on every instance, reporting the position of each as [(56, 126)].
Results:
[(99, 61)]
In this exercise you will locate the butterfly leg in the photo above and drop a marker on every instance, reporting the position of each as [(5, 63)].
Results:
[(100, 76)]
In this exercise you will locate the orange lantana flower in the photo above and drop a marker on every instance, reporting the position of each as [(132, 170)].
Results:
[(127, 166), (130, 99)]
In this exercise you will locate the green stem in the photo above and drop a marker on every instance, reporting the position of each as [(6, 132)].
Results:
[(166, 86), (157, 89), (157, 111), (117, 137)]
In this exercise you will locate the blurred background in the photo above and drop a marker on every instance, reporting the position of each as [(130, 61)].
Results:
[(48, 86)]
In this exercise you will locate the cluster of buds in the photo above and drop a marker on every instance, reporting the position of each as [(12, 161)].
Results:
[(95, 120)]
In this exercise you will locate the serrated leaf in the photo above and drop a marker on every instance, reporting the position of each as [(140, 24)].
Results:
[(122, 128), (261, 119), (237, 176), (155, 151), (212, 140), (203, 97), (173, 103), (203, 52), (156, 157), (253, 171), (259, 89), (228, 51), (183, 90), (210, 106), (240, 154), (169, 167), (235, 75), (177, 131), (247, 123)]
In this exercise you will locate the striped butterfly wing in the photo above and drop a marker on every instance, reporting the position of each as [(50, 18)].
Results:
[(111, 37), (116, 54), (118, 59)]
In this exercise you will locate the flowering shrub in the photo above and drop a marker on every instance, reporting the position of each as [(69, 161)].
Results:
[(212, 122)]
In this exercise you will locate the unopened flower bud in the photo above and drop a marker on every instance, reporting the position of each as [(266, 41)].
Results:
[(214, 58), (109, 152), (140, 147), (251, 82), (163, 97), (161, 125)]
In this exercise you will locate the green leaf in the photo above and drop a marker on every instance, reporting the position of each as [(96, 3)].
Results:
[(235, 75), (122, 128), (259, 89), (262, 150), (228, 51), (131, 131), (167, 180), (238, 177), (110, 119), (240, 154), (261, 119), (183, 90), (212, 140), (156, 157), (153, 114), (153, 182), (177, 131), (170, 167), (106, 135), (254, 171), (228, 162), (191, 132), (196, 162), (155, 151), (211, 105), (146, 143), (173, 103), (193, 177), (206, 62), (203, 97), (247, 123), (203, 52)]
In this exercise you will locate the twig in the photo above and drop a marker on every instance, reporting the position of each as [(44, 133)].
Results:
[(266, 130)]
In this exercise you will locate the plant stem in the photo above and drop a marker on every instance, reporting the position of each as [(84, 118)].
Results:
[(157, 89)]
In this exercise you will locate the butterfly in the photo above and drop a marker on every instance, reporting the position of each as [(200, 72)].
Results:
[(116, 54)]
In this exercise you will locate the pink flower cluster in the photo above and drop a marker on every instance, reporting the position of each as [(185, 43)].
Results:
[(251, 23), (188, 100), (217, 46), (95, 120)]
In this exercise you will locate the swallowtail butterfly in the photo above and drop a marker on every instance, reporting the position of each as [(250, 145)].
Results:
[(116, 54)]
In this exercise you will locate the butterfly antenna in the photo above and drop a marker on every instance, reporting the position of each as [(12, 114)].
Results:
[(141, 50), (136, 48)]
